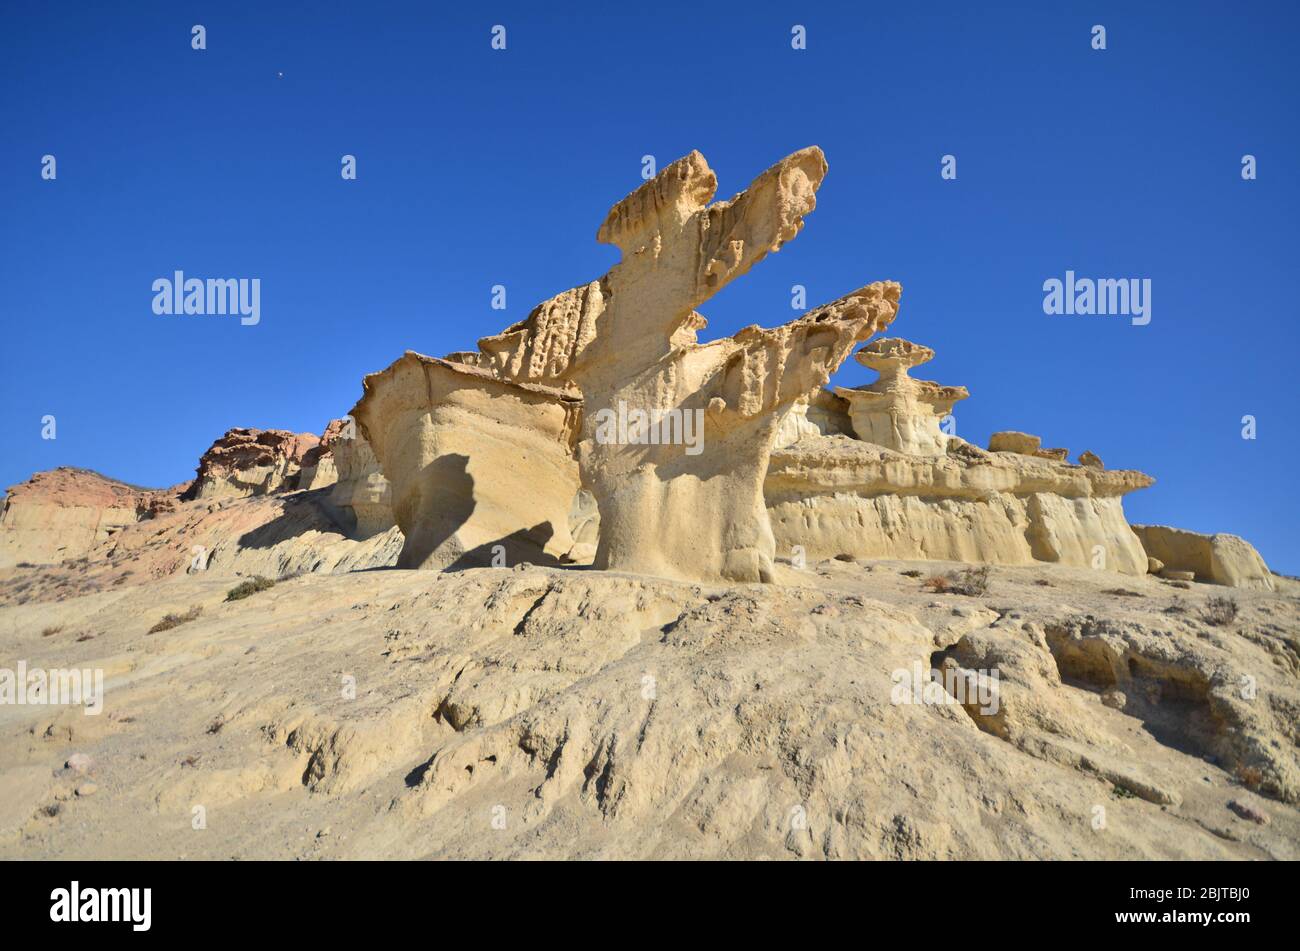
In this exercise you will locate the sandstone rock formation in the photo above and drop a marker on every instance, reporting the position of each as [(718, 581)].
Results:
[(884, 481), (832, 496), (480, 466), (64, 513), (819, 413), (247, 462), (896, 411), (344, 462), (318, 469), (360, 491), (626, 344), (1012, 441), (1219, 558)]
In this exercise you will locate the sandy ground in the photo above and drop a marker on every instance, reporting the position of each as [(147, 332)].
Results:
[(535, 712)]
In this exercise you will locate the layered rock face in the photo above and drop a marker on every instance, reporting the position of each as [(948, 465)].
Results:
[(344, 462), (361, 491), (247, 462), (671, 505), (905, 489), (1220, 559), (481, 467), (64, 513)]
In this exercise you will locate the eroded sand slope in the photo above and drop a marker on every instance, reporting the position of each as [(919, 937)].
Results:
[(568, 713)]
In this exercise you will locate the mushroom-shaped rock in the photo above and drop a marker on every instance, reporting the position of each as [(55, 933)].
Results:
[(897, 411)]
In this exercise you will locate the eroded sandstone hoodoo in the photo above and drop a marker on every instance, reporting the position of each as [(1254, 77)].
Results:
[(892, 484), (479, 466), (627, 343), (896, 411)]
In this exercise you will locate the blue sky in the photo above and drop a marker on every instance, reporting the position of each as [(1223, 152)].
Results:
[(479, 167)]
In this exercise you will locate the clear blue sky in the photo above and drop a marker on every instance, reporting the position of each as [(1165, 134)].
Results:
[(478, 167)]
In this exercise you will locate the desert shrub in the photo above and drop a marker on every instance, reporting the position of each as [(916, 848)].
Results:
[(1124, 593), (1249, 776), (910, 573), (51, 631), (972, 582), (1219, 611), (249, 587), (1044, 583), (170, 621)]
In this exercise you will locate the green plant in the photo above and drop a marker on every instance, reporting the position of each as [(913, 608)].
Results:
[(170, 621), (1219, 611), (249, 587)]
